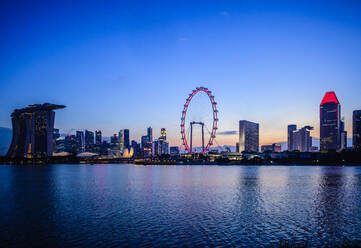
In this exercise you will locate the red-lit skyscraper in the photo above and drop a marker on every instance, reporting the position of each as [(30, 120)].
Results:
[(330, 122)]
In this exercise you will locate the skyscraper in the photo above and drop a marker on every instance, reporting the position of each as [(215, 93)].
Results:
[(136, 148), (163, 134), (60, 145), (146, 146), (150, 134), (89, 140), (343, 136), (160, 147), (71, 144), (248, 136), (147, 143), (80, 141), (121, 141), (98, 137), (33, 131), (290, 130), (115, 142), (356, 130), (126, 139), (144, 141), (302, 140), (330, 112)]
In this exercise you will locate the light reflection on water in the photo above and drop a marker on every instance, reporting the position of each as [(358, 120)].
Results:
[(126, 205)]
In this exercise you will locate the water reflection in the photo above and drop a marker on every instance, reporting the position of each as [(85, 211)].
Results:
[(333, 203), (125, 205)]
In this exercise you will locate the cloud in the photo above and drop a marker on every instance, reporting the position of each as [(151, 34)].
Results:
[(224, 13), (227, 133)]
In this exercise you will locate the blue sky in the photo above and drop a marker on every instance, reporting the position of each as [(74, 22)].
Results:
[(131, 64)]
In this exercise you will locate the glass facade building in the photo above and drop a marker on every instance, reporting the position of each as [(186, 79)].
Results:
[(356, 130), (163, 134), (33, 130), (150, 134), (343, 136), (80, 141), (98, 137), (248, 136), (121, 141), (290, 130), (160, 147), (330, 122), (89, 141), (302, 141), (126, 139), (124, 142)]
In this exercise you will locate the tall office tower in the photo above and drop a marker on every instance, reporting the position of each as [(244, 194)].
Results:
[(147, 144), (59, 145), (164, 147), (80, 141), (150, 134), (343, 136), (98, 137), (302, 140), (144, 141), (160, 147), (248, 136), (163, 134), (290, 130), (71, 144), (330, 112), (121, 140), (89, 140), (126, 139), (237, 146), (136, 148), (356, 130), (115, 142), (33, 129), (156, 148)]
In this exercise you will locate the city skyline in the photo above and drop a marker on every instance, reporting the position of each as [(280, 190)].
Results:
[(180, 123), (108, 138), (124, 70)]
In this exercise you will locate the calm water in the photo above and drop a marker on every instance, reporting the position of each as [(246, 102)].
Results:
[(126, 205)]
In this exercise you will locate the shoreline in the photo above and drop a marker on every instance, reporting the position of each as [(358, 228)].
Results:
[(344, 158)]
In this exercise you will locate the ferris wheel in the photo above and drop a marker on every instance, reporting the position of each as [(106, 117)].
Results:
[(214, 110)]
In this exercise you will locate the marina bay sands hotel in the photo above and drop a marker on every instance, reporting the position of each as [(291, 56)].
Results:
[(33, 131)]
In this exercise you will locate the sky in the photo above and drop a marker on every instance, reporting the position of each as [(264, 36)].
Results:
[(132, 64)]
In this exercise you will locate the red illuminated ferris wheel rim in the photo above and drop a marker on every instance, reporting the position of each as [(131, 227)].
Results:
[(215, 119)]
